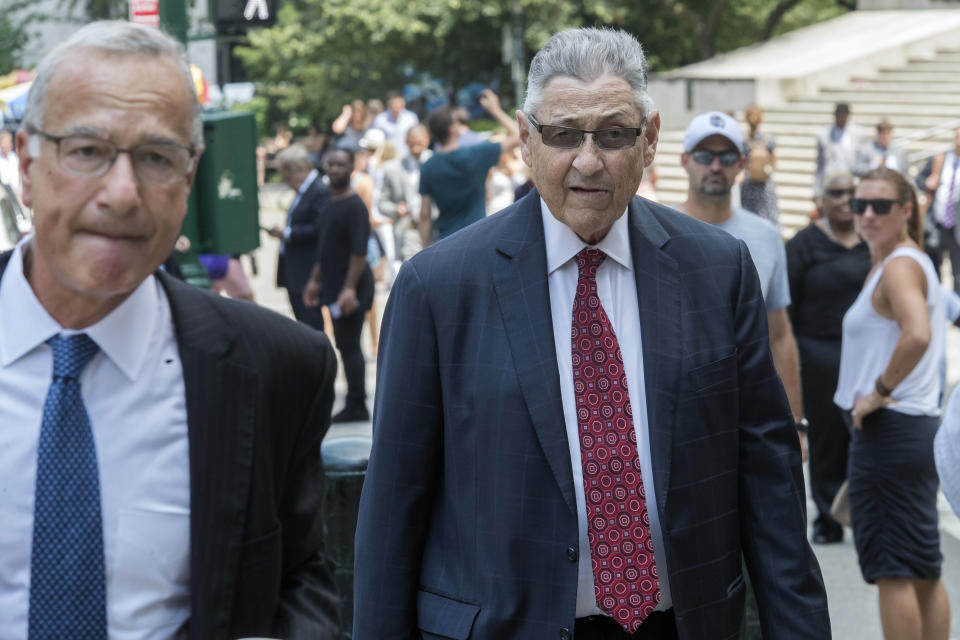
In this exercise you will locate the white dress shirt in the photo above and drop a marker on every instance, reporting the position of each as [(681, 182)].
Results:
[(616, 286), (134, 394), (313, 175)]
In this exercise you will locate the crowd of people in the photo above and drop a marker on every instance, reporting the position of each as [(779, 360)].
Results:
[(591, 409)]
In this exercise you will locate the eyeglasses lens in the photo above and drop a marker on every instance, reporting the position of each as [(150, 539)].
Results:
[(880, 206), (570, 138), (839, 193), (705, 157), (154, 163)]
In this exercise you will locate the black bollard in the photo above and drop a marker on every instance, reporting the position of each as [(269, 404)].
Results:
[(345, 462)]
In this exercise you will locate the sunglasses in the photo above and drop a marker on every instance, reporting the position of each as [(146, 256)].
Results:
[(839, 193), (705, 157), (880, 206), (570, 138)]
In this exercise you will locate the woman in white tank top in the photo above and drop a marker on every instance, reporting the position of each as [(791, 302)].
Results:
[(890, 383)]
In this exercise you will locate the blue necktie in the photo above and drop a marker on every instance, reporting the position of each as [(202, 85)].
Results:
[(67, 578)]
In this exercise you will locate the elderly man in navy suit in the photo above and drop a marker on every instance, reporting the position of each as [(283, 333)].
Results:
[(578, 429)]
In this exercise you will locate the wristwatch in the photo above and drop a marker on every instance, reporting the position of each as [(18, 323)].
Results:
[(881, 388)]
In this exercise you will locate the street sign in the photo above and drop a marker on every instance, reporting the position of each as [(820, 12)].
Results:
[(242, 14), (145, 12)]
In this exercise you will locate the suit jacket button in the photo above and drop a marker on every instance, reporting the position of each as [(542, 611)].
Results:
[(564, 633), (572, 554)]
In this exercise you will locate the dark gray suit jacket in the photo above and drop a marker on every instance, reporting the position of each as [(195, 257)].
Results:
[(259, 389), (300, 249), (468, 524)]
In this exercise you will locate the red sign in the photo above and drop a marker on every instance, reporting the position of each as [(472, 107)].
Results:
[(145, 12)]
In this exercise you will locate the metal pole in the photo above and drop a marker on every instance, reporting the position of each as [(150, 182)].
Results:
[(518, 68), (173, 18)]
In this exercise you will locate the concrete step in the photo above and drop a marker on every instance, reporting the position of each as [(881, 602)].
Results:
[(779, 129), (884, 97), (896, 86), (928, 65), (917, 115), (811, 107), (904, 75), (942, 54)]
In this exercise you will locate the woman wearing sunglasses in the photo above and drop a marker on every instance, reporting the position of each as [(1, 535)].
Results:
[(890, 383)]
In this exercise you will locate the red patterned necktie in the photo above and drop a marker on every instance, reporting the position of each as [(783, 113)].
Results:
[(621, 549)]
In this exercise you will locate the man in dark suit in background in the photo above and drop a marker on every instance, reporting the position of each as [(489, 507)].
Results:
[(298, 238), (160, 445), (578, 427)]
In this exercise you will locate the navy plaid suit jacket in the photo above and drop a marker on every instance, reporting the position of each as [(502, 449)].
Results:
[(468, 527)]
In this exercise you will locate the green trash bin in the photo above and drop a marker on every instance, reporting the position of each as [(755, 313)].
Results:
[(345, 463)]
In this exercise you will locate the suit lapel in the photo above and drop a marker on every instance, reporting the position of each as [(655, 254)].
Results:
[(658, 297), (220, 395), (520, 281)]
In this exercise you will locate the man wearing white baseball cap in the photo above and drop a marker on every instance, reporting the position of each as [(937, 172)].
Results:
[(712, 157)]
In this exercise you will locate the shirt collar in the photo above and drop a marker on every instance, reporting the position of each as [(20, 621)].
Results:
[(308, 181), (563, 244), (123, 335)]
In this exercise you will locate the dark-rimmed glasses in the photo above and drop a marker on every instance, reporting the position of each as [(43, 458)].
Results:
[(91, 157), (839, 193), (880, 206), (570, 138), (705, 157)]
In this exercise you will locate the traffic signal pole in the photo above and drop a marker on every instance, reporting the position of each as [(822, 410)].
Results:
[(173, 18)]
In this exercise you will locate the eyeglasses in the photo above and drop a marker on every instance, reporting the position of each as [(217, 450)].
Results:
[(839, 193), (880, 206), (91, 157), (705, 157), (570, 138)]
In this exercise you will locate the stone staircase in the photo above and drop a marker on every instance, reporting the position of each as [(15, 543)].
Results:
[(915, 97)]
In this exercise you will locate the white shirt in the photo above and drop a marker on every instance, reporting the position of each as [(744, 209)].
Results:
[(134, 394), (10, 171), (396, 128), (869, 340), (616, 286), (313, 175)]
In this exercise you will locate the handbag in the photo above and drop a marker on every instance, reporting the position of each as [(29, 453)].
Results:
[(840, 508)]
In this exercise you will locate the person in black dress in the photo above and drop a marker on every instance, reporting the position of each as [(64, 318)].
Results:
[(826, 265)]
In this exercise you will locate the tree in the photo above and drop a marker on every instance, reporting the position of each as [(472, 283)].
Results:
[(13, 34), (323, 53)]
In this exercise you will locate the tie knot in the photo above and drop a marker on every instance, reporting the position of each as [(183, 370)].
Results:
[(588, 261), (71, 354)]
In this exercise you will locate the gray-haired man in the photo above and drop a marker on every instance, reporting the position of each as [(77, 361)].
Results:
[(159, 445), (578, 427)]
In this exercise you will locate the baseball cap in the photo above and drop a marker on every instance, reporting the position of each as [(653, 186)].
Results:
[(373, 139), (710, 124)]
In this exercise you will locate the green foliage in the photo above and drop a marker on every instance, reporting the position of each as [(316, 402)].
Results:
[(324, 53), (13, 35)]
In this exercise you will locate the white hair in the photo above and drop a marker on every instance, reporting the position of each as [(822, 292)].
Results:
[(293, 158), (587, 54), (115, 37)]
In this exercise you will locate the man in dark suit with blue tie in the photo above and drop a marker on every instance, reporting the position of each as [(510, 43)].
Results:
[(578, 429), (299, 236), (160, 464)]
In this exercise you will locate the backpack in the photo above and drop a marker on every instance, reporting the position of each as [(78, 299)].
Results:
[(759, 162)]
